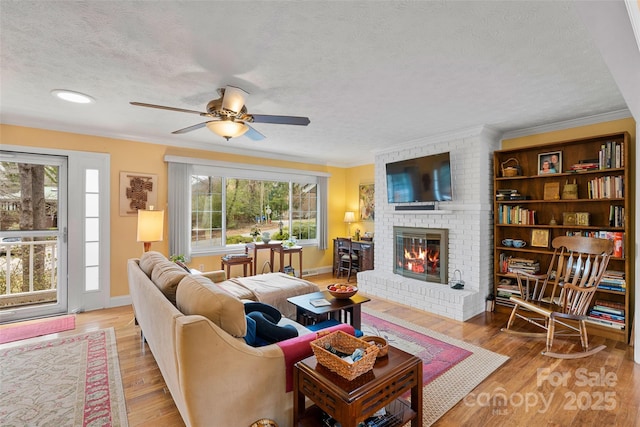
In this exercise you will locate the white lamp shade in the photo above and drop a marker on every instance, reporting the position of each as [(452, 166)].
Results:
[(349, 217), (150, 226), (227, 128)]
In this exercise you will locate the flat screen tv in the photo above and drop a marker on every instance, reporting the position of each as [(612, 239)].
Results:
[(423, 179)]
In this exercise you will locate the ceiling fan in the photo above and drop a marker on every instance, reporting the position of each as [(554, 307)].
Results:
[(230, 117)]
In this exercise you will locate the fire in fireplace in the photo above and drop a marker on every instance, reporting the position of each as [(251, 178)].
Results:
[(421, 253)]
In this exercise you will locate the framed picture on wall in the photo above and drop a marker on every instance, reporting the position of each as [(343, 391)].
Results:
[(367, 203)]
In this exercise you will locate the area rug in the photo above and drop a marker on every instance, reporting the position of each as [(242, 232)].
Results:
[(68, 381), (36, 328), (451, 368)]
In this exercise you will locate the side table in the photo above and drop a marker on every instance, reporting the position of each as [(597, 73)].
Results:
[(256, 246), (350, 402), (244, 261), (292, 250)]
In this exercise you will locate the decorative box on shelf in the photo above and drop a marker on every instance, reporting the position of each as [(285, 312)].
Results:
[(569, 218)]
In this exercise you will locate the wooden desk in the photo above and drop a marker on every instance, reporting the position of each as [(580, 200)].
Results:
[(282, 251), (350, 402), (365, 255), (243, 261)]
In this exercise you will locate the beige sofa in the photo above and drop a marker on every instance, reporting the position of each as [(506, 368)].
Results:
[(194, 328)]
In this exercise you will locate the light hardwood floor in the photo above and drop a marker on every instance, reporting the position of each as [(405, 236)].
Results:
[(529, 389)]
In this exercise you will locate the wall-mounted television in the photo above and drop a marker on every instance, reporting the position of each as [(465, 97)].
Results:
[(423, 179)]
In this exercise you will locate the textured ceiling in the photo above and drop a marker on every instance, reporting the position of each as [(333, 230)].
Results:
[(369, 75)]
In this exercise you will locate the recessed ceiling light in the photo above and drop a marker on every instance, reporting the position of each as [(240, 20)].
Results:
[(72, 96)]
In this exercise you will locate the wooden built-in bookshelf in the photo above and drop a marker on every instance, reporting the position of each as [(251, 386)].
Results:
[(531, 205)]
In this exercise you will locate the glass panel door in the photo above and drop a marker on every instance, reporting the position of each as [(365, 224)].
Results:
[(32, 236)]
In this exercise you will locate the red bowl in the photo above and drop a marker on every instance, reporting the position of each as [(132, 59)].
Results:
[(343, 294)]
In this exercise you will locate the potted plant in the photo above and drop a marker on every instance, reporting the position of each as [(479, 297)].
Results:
[(174, 258), (255, 232)]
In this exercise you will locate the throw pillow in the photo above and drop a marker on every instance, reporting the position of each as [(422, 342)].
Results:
[(166, 276), (197, 295), (148, 261)]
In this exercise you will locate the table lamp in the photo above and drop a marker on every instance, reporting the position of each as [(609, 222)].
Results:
[(150, 226), (349, 217)]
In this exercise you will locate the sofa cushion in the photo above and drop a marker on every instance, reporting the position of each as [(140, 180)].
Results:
[(148, 260), (167, 275), (197, 295)]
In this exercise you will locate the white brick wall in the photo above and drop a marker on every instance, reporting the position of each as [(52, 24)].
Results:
[(468, 219)]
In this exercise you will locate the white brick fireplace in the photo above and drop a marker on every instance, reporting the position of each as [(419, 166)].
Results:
[(467, 218)]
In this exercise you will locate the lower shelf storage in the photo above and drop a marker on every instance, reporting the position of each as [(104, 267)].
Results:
[(397, 413)]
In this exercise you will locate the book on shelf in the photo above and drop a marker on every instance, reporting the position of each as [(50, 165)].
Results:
[(511, 289), (231, 256), (607, 316), (611, 155), (608, 310), (603, 322), (319, 302), (616, 216), (585, 165), (611, 307), (527, 265), (615, 288), (610, 304), (606, 187), (516, 215)]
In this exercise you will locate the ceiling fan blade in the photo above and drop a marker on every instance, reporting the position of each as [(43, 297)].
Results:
[(190, 128), (254, 134), (162, 107), (280, 120), (233, 99)]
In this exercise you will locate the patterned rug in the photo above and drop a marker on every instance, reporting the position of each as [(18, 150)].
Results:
[(36, 328), (451, 368), (68, 381)]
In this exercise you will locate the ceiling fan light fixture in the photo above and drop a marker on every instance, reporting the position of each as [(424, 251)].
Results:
[(228, 128)]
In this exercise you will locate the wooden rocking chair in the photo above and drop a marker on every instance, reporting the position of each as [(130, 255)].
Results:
[(576, 268)]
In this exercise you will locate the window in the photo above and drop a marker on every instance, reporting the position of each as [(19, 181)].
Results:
[(225, 210), (231, 204)]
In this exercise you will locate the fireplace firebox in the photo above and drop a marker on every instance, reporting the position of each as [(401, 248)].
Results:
[(420, 253)]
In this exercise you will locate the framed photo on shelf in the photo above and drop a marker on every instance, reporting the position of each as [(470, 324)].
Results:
[(540, 238), (549, 163)]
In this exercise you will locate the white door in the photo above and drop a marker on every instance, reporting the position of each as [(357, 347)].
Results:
[(33, 235)]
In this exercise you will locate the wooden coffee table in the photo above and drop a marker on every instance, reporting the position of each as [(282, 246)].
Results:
[(343, 310), (350, 402)]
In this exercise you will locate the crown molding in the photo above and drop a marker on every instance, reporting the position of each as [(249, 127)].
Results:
[(568, 124), (473, 131)]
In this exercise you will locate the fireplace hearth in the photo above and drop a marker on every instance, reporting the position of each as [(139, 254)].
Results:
[(420, 253)]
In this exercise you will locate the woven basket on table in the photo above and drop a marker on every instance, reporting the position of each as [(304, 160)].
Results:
[(344, 343)]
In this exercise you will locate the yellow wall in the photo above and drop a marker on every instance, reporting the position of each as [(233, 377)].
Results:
[(353, 178), (131, 156)]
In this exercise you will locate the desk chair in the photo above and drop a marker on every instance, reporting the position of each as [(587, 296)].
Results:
[(348, 259), (576, 268)]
